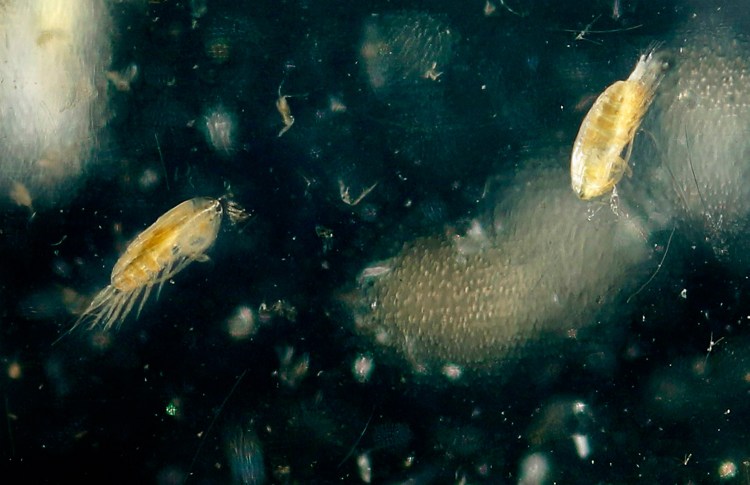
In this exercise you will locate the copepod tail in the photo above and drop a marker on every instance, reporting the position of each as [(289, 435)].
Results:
[(101, 303), (651, 68), (93, 310)]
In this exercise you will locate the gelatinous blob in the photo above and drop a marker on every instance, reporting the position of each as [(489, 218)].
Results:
[(699, 154), (548, 271)]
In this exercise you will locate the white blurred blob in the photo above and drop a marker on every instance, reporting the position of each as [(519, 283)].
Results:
[(21, 196), (242, 324), (14, 370), (220, 127), (53, 90), (727, 470), (365, 467), (149, 180), (362, 368), (336, 105), (581, 442), (534, 470), (452, 371)]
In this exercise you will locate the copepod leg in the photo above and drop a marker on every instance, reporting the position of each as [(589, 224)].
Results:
[(614, 201), (626, 160)]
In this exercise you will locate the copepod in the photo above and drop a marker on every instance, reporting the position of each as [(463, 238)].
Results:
[(605, 140), (177, 238)]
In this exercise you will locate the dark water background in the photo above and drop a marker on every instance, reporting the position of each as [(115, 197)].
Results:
[(96, 410)]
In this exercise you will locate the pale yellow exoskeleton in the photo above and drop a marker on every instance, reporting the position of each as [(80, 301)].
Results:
[(176, 239), (602, 148)]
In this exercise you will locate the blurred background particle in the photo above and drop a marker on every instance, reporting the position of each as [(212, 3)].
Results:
[(402, 48), (242, 323), (245, 455), (221, 131)]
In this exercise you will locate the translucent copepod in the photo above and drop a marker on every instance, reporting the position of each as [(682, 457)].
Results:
[(176, 239), (602, 148)]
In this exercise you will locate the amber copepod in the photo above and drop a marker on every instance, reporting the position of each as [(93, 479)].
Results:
[(605, 139), (176, 239)]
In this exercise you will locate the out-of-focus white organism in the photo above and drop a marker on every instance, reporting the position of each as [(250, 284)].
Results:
[(336, 104), (21, 196), (365, 467), (362, 368), (220, 128), (452, 372), (582, 444), (149, 179), (534, 469), (489, 8), (242, 324), (727, 470), (14, 370), (55, 54)]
